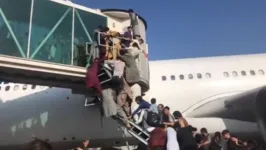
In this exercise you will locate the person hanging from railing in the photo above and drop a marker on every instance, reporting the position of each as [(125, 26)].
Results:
[(132, 74), (112, 44), (123, 99), (108, 41), (116, 90), (92, 80), (128, 35), (100, 38), (122, 89), (131, 70)]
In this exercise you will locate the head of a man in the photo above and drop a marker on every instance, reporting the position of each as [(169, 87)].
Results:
[(138, 99), (204, 131), (38, 144), (226, 134), (166, 110), (160, 107)]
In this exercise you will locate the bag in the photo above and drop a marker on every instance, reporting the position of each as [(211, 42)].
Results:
[(153, 119)]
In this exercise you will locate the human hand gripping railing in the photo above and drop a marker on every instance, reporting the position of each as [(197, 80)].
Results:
[(112, 37), (115, 39)]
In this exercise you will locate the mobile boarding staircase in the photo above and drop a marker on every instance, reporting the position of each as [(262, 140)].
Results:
[(105, 75)]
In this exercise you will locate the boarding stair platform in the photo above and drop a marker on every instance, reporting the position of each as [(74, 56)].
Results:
[(135, 130)]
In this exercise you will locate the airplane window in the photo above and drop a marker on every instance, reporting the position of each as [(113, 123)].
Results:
[(7, 88), (172, 77), (252, 72), (24, 87), (33, 87), (199, 75), (243, 73), (226, 74), (261, 72), (234, 73), (16, 87), (181, 77), (208, 75), (190, 76), (163, 78)]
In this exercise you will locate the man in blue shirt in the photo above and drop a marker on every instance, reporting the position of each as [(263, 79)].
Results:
[(142, 105)]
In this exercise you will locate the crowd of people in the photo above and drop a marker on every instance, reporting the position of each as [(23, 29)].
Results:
[(38, 144), (168, 131), (171, 131), (115, 72)]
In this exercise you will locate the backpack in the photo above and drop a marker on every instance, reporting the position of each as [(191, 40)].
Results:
[(153, 119)]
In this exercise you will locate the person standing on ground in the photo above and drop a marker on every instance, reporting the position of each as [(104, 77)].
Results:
[(185, 136), (232, 142), (206, 139), (172, 143), (160, 112), (168, 118), (217, 142)]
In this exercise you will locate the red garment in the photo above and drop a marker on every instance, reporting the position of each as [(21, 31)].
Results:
[(92, 80), (157, 138)]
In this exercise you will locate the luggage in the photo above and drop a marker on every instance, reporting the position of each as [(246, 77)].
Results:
[(153, 119)]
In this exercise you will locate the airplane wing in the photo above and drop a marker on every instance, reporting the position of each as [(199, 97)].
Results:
[(244, 106)]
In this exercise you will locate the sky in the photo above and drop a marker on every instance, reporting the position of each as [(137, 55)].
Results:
[(197, 28)]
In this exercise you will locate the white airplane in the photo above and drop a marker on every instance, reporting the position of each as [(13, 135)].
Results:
[(214, 92)]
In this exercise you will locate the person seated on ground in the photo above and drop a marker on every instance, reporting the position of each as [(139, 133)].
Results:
[(153, 106), (168, 118), (142, 106), (232, 142), (157, 139), (216, 143), (38, 144), (206, 139), (185, 137)]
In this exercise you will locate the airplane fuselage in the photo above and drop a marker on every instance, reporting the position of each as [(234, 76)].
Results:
[(59, 116)]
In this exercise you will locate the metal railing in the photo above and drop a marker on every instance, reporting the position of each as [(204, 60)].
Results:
[(112, 36)]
